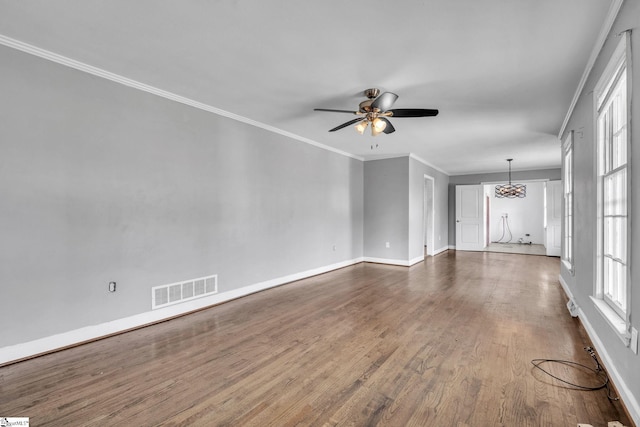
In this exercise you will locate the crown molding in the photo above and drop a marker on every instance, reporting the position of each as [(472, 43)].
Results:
[(542, 168), (424, 162), (99, 72), (602, 37), (410, 155)]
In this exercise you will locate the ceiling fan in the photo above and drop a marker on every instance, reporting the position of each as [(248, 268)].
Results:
[(375, 111)]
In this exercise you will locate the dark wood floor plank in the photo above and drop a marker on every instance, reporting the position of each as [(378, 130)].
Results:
[(447, 342)]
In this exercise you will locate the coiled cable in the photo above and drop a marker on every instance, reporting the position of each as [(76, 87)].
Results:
[(601, 373)]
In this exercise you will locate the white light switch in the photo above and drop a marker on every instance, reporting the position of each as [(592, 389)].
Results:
[(634, 340)]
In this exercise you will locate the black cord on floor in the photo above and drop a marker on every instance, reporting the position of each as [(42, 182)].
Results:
[(597, 370)]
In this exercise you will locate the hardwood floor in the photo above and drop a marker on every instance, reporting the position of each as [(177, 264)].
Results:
[(447, 342)]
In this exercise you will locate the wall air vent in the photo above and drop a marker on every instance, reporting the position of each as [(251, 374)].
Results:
[(174, 293)]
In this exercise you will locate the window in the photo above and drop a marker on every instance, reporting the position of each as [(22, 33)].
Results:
[(610, 96), (567, 178)]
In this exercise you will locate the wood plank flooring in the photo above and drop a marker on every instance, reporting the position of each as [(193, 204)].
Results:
[(447, 342)]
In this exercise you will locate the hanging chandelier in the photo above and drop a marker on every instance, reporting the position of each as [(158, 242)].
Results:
[(511, 190)]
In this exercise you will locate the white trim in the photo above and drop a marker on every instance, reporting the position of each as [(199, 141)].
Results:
[(401, 262), (443, 249), (614, 320), (602, 37), (424, 162), (618, 64), (632, 405), (568, 266), (567, 148), (54, 342), (528, 181), (630, 401), (385, 157), (430, 245), (565, 286), (416, 260), (485, 172), (398, 156), (608, 78), (99, 72)]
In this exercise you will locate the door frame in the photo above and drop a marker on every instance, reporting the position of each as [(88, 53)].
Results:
[(429, 186), (492, 184)]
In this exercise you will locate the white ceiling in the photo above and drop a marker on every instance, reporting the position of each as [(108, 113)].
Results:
[(501, 72)]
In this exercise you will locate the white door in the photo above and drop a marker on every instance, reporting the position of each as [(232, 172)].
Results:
[(469, 217), (554, 218)]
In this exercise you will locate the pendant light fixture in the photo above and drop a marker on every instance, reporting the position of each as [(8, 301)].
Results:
[(510, 190)]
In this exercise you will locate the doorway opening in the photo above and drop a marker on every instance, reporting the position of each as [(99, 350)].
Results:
[(522, 225)]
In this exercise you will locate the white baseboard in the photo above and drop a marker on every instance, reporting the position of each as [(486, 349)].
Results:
[(443, 249), (630, 402), (88, 333), (565, 286), (401, 262), (416, 260)]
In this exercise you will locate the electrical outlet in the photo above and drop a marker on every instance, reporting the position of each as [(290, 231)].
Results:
[(634, 340), (388, 245), (573, 308), (112, 286)]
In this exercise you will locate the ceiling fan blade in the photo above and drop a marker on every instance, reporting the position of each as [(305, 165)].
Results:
[(413, 112), (349, 123), (335, 111), (389, 128), (384, 101)]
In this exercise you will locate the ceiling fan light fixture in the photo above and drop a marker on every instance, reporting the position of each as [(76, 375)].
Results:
[(510, 190), (377, 126), (375, 110), (360, 127)]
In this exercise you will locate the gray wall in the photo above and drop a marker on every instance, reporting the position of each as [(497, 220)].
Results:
[(394, 208), (547, 174), (386, 208), (100, 182), (626, 363), (417, 171)]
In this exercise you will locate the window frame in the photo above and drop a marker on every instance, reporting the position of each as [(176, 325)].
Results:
[(619, 67), (568, 203)]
